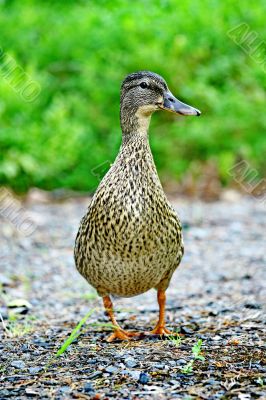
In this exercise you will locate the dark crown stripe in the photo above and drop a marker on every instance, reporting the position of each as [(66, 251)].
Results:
[(143, 74)]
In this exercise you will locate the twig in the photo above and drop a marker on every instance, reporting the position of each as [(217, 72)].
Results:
[(9, 334)]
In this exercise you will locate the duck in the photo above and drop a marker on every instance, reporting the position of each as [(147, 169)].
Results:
[(130, 238)]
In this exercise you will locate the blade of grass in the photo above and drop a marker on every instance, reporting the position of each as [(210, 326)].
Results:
[(74, 334), (175, 339), (196, 350)]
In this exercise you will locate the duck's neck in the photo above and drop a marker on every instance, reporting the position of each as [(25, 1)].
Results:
[(135, 140), (134, 122), (135, 149)]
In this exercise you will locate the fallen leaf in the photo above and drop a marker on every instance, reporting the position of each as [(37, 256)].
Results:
[(19, 303)]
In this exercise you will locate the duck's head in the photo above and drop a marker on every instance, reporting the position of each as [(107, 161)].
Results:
[(144, 92)]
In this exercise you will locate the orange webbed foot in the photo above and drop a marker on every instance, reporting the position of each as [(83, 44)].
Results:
[(161, 330), (120, 334)]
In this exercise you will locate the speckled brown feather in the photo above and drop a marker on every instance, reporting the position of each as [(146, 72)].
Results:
[(130, 239)]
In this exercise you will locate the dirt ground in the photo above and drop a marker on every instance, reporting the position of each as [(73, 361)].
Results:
[(216, 296)]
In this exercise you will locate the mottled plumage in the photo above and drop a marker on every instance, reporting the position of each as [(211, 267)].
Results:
[(130, 239)]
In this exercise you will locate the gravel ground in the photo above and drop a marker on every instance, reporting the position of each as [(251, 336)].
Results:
[(217, 296)]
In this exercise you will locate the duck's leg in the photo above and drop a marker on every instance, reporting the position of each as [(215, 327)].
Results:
[(118, 333), (160, 328)]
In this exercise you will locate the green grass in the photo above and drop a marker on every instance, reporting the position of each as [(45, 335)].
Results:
[(79, 51), (74, 334), (175, 339), (196, 353), (77, 331), (17, 327)]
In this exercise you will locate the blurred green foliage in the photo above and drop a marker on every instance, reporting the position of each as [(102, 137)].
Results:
[(79, 51)]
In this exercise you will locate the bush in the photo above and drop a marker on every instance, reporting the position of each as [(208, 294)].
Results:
[(79, 51)]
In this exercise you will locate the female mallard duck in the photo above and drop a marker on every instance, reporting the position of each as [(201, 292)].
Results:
[(130, 239)]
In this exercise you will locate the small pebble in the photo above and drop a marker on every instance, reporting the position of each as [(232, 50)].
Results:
[(34, 370), (134, 374), (143, 378), (18, 364), (159, 366), (181, 361), (252, 306), (93, 361), (87, 388), (174, 382), (111, 369), (172, 363), (95, 374), (130, 362), (4, 393), (186, 330), (64, 389), (216, 338), (5, 281), (41, 343), (212, 382), (3, 312)]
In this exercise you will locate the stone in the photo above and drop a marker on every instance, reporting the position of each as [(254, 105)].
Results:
[(130, 362), (18, 364), (111, 369), (143, 378)]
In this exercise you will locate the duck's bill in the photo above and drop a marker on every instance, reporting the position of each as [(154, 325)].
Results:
[(174, 105)]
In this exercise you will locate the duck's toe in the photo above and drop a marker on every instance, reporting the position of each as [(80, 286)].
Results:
[(161, 330), (120, 334)]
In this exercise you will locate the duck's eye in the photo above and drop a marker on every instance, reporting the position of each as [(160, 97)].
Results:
[(143, 85)]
